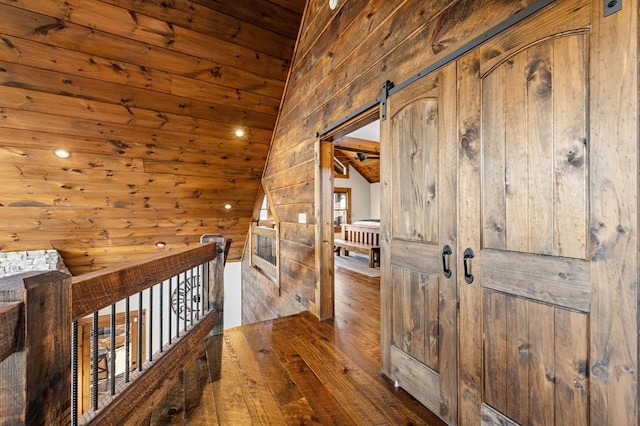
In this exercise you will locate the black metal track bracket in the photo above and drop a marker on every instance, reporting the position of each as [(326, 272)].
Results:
[(389, 89), (386, 87), (612, 6)]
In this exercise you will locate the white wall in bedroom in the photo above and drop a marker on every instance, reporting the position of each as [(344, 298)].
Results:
[(370, 132), (375, 200), (360, 195)]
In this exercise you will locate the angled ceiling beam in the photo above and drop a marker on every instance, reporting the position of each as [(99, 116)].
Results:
[(357, 145)]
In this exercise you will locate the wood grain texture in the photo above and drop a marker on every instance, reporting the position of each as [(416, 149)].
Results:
[(141, 94), (142, 388), (322, 304), (368, 167), (416, 158), (551, 186), (96, 290), (342, 60), (296, 370), (10, 319), (422, 313), (559, 281), (44, 355), (540, 79), (495, 353), (535, 361), (571, 378), (533, 153), (470, 374), (491, 417), (613, 226)]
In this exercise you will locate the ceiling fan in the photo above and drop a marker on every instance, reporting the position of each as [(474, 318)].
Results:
[(362, 156)]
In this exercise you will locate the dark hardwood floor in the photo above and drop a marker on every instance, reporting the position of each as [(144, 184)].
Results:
[(294, 371)]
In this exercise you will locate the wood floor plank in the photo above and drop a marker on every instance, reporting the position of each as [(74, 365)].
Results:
[(300, 413), (205, 413), (374, 396), (260, 401), (199, 402), (261, 340), (339, 376), (405, 408), (357, 308), (230, 402), (298, 370), (327, 410)]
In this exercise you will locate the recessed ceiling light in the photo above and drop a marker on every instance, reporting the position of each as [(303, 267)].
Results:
[(228, 206), (61, 153), (239, 133), (160, 244), (333, 4)]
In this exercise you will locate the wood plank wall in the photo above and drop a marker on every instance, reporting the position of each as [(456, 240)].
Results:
[(342, 59), (147, 96)]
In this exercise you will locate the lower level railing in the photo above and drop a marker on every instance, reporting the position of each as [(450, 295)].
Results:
[(130, 326)]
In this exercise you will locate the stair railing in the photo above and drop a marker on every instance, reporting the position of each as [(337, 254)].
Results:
[(124, 329)]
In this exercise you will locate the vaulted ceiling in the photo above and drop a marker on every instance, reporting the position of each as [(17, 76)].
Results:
[(361, 154), (147, 96), (360, 149)]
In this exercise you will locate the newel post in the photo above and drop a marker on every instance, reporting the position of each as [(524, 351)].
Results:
[(216, 281), (35, 381)]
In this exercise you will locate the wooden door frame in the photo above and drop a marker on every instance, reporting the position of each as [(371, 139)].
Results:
[(323, 307)]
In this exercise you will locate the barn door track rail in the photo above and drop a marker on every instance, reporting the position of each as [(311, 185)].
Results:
[(389, 89)]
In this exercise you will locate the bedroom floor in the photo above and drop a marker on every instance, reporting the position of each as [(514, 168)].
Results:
[(356, 264)]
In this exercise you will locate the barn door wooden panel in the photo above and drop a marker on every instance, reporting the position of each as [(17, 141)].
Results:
[(524, 169), (418, 297), (534, 212)]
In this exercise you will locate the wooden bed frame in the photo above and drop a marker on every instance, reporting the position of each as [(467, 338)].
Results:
[(363, 239)]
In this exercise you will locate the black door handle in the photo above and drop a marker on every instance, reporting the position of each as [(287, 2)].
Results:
[(446, 251), (468, 254)]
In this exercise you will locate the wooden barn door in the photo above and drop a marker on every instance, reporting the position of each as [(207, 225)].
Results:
[(524, 269), (418, 297)]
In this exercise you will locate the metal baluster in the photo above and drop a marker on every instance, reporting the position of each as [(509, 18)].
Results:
[(169, 309), (112, 349), (161, 314), (178, 307), (184, 308), (127, 339), (150, 324), (140, 331), (94, 357), (191, 297), (74, 373), (208, 282), (195, 293), (203, 288)]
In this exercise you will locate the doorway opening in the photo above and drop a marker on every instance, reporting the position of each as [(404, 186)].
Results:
[(348, 203)]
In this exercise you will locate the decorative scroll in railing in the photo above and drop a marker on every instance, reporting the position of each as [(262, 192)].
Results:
[(131, 327), (264, 249)]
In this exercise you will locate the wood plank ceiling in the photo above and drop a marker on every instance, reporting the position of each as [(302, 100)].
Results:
[(361, 154), (147, 96)]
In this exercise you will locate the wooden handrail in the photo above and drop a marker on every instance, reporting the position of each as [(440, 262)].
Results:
[(35, 380), (10, 324), (96, 290), (36, 313), (135, 277), (125, 403)]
